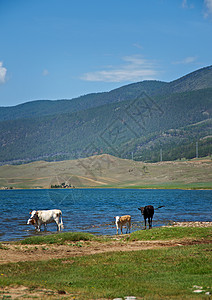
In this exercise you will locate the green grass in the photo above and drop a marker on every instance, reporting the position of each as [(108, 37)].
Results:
[(151, 274), (3, 247), (161, 233), (59, 238), (176, 233), (176, 185)]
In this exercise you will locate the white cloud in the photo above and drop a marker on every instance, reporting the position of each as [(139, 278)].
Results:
[(45, 72), (187, 5), (187, 60), (208, 6), (184, 4), (137, 45), (3, 72), (134, 68)]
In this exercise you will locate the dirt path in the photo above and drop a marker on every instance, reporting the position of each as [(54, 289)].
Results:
[(16, 253)]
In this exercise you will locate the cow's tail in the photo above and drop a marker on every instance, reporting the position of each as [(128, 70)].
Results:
[(61, 221), (160, 206)]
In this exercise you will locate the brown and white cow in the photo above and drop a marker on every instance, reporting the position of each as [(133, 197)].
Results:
[(121, 221), (44, 217)]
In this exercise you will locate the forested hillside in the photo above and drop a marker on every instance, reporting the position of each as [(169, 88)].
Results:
[(47, 107), (200, 79), (138, 120)]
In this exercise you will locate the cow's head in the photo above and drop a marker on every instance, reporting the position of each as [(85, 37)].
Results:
[(34, 214), (117, 219), (31, 222), (33, 218), (141, 209)]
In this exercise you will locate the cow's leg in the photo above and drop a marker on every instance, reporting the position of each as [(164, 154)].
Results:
[(128, 227), (149, 221), (60, 226), (38, 226), (145, 222), (61, 222), (45, 227), (57, 221), (121, 229)]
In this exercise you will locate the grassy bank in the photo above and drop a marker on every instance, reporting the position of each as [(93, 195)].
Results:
[(161, 233), (166, 273), (181, 186), (60, 238), (172, 233)]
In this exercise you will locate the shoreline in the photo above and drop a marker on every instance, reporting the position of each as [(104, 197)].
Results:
[(103, 187), (173, 224), (190, 224), (16, 251)]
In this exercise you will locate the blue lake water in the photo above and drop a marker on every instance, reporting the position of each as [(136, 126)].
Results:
[(93, 210)]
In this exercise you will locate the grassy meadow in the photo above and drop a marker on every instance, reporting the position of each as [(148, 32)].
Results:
[(166, 273)]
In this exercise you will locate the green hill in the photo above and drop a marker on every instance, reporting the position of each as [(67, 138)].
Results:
[(200, 79), (197, 80), (47, 107), (124, 121)]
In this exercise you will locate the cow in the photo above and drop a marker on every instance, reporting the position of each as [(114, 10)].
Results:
[(148, 213), (45, 217), (121, 221)]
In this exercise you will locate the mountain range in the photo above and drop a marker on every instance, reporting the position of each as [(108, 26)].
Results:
[(148, 121)]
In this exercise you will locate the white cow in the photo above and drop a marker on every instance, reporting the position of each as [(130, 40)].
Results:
[(39, 217), (121, 221)]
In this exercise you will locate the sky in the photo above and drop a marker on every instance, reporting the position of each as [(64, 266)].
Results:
[(62, 49)]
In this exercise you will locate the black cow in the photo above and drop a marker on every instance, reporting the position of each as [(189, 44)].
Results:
[(148, 213)]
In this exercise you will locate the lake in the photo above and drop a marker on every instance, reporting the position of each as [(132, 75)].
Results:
[(93, 210)]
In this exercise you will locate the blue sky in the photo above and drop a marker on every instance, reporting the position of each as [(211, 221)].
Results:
[(61, 49)]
